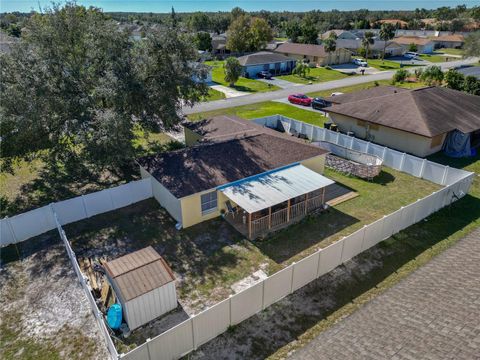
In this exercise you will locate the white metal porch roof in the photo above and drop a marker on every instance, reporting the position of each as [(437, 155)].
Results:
[(269, 189)]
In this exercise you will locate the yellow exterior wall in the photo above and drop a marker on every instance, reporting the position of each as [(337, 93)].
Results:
[(192, 208), (339, 56), (393, 138), (316, 163), (191, 138)]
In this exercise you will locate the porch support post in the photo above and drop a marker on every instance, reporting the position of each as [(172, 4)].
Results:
[(306, 203), (288, 211), (323, 196), (270, 217), (249, 225)]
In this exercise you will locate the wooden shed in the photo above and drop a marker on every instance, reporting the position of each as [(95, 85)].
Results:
[(144, 285)]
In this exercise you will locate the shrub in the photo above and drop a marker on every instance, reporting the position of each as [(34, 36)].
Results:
[(400, 76)]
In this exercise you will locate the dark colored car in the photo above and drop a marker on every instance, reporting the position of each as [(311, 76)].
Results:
[(319, 103), (265, 75), (300, 99)]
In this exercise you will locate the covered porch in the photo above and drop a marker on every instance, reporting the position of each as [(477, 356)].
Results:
[(271, 201)]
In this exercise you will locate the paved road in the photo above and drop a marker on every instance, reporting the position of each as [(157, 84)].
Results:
[(279, 94), (432, 314)]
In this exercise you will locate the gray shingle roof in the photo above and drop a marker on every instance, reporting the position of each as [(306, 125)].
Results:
[(263, 57)]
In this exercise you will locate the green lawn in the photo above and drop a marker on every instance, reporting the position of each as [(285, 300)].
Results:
[(266, 108), (316, 75), (214, 95), (433, 58), (386, 64), (243, 84), (450, 51), (368, 85)]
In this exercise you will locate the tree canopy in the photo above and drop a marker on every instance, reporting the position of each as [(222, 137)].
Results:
[(77, 86)]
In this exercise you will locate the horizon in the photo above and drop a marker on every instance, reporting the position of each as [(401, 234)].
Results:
[(188, 6)]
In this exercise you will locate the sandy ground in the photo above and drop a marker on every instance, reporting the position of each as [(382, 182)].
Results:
[(44, 313), (280, 324)]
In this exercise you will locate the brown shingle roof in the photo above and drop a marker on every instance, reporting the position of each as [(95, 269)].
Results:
[(223, 127), (365, 94), (263, 57), (302, 49), (199, 168), (407, 40), (428, 111), (138, 273), (447, 38)]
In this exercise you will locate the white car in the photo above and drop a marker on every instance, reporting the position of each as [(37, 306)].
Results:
[(336, 93), (360, 62), (411, 55)]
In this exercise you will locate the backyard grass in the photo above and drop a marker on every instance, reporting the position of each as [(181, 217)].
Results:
[(433, 58), (266, 108), (315, 75), (243, 84), (404, 252), (210, 257)]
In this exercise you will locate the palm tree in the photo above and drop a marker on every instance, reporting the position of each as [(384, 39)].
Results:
[(330, 44), (367, 41), (387, 32)]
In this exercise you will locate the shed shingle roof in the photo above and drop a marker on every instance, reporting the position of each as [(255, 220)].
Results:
[(427, 111), (191, 170), (302, 49), (263, 57), (365, 94), (138, 273)]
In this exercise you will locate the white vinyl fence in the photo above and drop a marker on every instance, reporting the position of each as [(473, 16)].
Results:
[(87, 289), (38, 221), (201, 328)]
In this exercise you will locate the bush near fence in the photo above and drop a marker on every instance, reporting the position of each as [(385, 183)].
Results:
[(201, 328)]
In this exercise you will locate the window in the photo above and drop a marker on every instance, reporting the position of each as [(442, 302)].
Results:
[(209, 202)]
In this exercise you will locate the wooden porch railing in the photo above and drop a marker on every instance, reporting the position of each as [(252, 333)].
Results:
[(284, 216)]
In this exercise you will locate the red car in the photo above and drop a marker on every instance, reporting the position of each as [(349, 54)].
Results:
[(300, 99)]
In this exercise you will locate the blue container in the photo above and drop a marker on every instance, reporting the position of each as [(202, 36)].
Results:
[(114, 316)]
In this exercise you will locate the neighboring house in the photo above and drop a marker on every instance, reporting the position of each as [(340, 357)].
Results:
[(376, 49), (274, 62), (415, 121), (448, 41), (219, 43), (315, 55), (257, 178), (341, 34), (424, 45)]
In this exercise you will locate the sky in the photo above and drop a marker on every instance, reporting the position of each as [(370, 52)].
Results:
[(249, 5)]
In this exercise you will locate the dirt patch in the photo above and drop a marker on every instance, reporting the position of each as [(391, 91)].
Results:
[(43, 310), (261, 335), (250, 280)]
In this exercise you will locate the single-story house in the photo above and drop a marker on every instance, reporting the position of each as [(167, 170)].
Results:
[(424, 45), (144, 284), (219, 44), (419, 121), (376, 49), (454, 41), (274, 62), (258, 179), (340, 34), (206, 70), (315, 55)]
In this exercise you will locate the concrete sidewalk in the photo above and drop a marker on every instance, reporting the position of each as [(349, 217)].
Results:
[(432, 314), (279, 94)]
